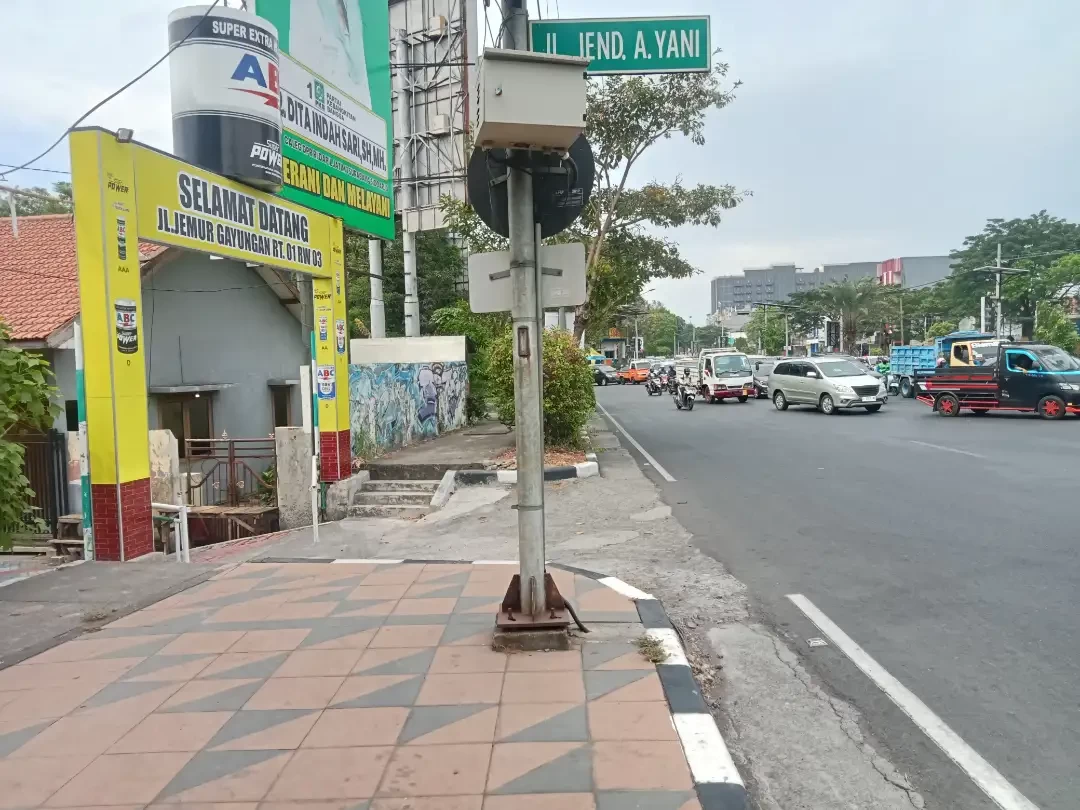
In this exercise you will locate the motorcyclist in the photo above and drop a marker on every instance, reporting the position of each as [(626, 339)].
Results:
[(883, 367)]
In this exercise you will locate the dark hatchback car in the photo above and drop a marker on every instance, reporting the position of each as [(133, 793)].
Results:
[(605, 375)]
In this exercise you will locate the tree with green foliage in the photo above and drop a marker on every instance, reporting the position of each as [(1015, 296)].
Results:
[(940, 329), (1035, 244), (766, 330), (1054, 327), (568, 386), (26, 402), (440, 269), (858, 306), (35, 206), (625, 118), (480, 331)]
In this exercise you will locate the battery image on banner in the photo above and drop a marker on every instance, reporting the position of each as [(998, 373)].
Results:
[(121, 238), (324, 327), (326, 380), (127, 326), (226, 99), (339, 333)]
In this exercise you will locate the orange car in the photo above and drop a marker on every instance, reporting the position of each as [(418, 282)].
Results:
[(637, 372)]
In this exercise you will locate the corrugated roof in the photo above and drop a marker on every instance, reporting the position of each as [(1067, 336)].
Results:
[(39, 288)]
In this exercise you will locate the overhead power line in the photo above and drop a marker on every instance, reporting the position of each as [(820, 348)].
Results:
[(114, 94)]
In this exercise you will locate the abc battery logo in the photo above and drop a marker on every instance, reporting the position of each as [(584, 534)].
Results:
[(256, 80)]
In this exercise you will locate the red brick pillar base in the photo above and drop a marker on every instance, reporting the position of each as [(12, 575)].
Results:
[(137, 516), (335, 455)]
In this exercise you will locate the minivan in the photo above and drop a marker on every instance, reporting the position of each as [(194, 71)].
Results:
[(829, 384)]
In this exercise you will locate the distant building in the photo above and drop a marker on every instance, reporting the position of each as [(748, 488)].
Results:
[(910, 272), (776, 283)]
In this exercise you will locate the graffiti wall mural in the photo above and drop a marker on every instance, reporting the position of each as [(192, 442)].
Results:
[(395, 404)]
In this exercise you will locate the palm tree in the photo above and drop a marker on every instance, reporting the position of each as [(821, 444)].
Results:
[(854, 304)]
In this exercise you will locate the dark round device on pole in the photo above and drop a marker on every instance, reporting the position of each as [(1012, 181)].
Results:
[(561, 186)]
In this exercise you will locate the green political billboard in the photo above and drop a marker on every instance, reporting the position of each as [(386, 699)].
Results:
[(337, 145)]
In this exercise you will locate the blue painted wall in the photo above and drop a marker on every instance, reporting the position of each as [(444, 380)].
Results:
[(396, 404)]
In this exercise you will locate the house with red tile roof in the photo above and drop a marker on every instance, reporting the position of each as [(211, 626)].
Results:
[(225, 340)]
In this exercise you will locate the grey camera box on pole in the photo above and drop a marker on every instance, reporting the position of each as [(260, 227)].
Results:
[(530, 100)]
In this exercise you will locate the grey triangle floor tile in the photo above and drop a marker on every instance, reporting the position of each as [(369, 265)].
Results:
[(451, 578), (231, 699), (159, 662), (583, 585), (465, 603), (325, 631), (457, 630), (257, 572), (599, 682), (248, 722), (569, 726), (596, 653), (642, 799), (425, 719), (434, 619), (255, 669), (333, 595), (349, 605), (175, 625), (14, 740), (570, 773), (400, 694), (121, 690), (143, 650), (416, 664), (210, 765), (444, 590)]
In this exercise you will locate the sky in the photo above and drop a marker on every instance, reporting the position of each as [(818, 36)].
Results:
[(865, 129)]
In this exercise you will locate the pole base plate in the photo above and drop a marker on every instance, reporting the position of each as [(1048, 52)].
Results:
[(511, 618)]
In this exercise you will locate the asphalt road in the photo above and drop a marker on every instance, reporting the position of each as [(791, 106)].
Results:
[(946, 548)]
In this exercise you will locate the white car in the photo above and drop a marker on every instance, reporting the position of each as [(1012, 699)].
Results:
[(829, 384)]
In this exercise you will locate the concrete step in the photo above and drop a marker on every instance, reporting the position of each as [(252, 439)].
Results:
[(394, 471), (388, 511), (397, 486), (399, 497)]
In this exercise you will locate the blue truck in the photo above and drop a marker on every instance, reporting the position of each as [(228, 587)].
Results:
[(905, 361)]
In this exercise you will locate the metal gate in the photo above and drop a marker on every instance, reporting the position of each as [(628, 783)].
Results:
[(45, 466)]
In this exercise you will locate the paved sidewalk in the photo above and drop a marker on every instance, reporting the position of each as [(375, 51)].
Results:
[(359, 686)]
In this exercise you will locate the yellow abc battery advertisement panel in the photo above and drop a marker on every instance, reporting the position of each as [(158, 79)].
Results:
[(110, 293), (183, 206)]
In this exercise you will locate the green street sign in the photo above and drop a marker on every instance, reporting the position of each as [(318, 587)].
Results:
[(630, 45)]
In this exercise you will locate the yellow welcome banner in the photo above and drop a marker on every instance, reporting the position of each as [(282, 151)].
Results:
[(183, 206)]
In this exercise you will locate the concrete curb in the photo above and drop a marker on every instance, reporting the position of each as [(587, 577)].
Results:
[(445, 489), (585, 469), (716, 779)]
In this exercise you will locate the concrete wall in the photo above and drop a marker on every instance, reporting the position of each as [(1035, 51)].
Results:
[(437, 349), (293, 477), (165, 482), (63, 366), (243, 336), (396, 404)]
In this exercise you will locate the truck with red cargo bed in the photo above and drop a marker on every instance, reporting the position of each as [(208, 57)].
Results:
[(1032, 377)]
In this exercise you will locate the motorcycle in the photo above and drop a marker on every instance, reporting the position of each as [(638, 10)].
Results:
[(655, 385), (684, 396)]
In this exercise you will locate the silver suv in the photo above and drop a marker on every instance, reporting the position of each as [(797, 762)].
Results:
[(827, 383)]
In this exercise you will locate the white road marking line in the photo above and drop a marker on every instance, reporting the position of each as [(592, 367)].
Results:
[(946, 449), (625, 588), (672, 644), (705, 751), (656, 464), (992, 783)]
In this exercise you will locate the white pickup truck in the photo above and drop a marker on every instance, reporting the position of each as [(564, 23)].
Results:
[(725, 373)]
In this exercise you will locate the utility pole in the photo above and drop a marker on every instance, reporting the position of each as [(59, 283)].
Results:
[(377, 311), (635, 338), (999, 319), (528, 363), (403, 125), (901, 318)]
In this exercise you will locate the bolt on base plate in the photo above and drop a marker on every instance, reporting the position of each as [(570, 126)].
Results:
[(512, 619)]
